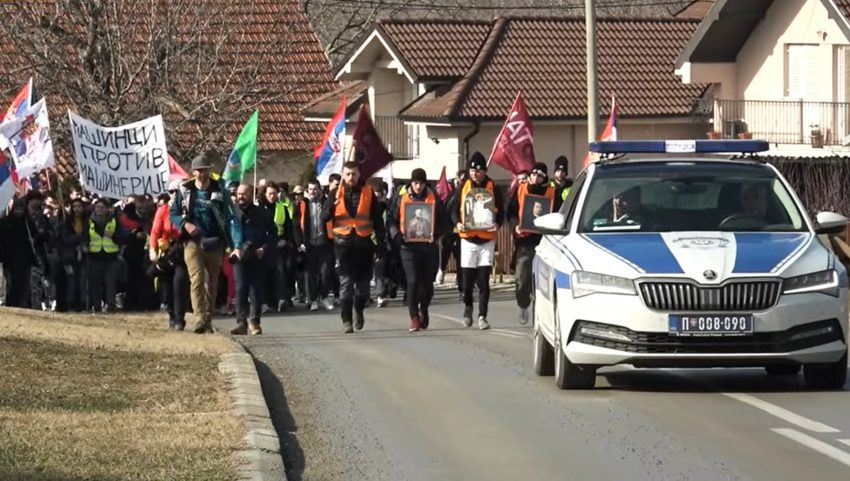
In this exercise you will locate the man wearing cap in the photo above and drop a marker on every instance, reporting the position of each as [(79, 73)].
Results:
[(562, 184), (418, 258), (477, 245), (526, 241), (354, 214), (207, 221)]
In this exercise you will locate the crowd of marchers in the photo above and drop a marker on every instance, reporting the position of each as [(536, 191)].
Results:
[(270, 248)]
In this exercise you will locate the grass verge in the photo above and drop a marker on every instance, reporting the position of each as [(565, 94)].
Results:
[(114, 397)]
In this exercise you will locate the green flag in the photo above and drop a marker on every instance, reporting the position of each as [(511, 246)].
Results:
[(244, 154)]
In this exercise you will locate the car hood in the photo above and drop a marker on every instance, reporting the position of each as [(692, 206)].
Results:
[(707, 257)]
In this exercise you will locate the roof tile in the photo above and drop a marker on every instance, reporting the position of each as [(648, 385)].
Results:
[(544, 58)]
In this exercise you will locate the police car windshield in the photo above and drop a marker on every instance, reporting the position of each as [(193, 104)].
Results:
[(699, 196)]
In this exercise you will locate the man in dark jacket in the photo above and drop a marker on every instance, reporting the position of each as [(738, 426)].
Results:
[(311, 236), (520, 212), (205, 216), (477, 210), (354, 212), (416, 219), (258, 234), (19, 255)]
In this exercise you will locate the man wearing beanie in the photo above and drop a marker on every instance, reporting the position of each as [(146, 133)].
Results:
[(525, 241), (562, 184), (203, 213), (353, 211), (477, 245), (418, 257)]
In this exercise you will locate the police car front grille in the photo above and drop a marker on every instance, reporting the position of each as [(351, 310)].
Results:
[(741, 296)]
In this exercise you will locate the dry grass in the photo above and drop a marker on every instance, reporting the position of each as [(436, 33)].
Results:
[(113, 397)]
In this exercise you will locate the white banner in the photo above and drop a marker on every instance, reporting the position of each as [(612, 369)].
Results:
[(28, 138), (115, 162)]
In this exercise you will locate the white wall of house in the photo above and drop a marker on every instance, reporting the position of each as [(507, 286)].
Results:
[(763, 61)]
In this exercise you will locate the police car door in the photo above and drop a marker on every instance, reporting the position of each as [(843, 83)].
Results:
[(552, 265)]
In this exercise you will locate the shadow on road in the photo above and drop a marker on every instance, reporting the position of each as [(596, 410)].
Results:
[(747, 380), (284, 423)]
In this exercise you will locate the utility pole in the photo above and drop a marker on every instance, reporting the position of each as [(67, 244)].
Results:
[(592, 88)]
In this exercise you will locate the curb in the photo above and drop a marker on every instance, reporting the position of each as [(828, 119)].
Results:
[(260, 459)]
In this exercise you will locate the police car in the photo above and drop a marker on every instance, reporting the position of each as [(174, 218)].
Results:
[(687, 260)]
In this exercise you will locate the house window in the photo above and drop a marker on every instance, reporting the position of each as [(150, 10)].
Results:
[(842, 73), (802, 72)]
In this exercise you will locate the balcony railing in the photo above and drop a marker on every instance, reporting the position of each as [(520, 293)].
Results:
[(784, 122), (401, 140)]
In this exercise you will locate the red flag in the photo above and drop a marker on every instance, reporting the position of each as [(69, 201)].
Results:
[(514, 146), (369, 151), (443, 188), (174, 170), (608, 133)]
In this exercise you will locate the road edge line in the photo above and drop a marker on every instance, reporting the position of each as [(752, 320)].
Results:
[(782, 413), (815, 444)]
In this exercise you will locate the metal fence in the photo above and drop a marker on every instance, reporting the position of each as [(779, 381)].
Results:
[(784, 122)]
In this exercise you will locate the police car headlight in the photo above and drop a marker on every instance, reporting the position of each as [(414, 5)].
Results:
[(825, 282), (586, 283)]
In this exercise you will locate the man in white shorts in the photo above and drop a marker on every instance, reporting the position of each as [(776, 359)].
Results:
[(477, 235)]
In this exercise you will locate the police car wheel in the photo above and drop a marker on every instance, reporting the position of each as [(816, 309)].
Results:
[(828, 375), (544, 355), (572, 376), (783, 369)]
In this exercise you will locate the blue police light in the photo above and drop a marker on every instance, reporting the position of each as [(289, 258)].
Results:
[(679, 146)]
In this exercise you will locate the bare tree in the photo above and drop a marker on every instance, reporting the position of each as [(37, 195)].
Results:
[(203, 64)]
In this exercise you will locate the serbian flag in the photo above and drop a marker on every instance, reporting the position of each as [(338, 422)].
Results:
[(442, 187), (21, 103), (514, 146), (608, 134), (369, 150), (7, 182), (329, 155)]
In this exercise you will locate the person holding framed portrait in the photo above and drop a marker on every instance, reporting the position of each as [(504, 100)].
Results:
[(532, 199), (477, 211), (416, 219)]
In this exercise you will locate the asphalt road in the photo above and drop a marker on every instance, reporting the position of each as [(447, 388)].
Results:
[(454, 403)]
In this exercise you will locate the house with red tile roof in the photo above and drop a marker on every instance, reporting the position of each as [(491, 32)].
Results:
[(439, 89), (273, 34), (777, 70)]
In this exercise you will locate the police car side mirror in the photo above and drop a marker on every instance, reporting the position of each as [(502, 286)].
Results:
[(552, 224), (830, 223)]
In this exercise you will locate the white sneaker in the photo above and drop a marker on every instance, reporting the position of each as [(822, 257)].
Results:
[(441, 276), (53, 305), (328, 303), (381, 301), (314, 306), (264, 308), (523, 315), (482, 323)]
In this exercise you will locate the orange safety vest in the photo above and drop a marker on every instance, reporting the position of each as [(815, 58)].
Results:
[(481, 234), (522, 191), (405, 199), (361, 223)]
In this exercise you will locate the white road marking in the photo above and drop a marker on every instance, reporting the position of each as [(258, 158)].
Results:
[(815, 444), (844, 441), (782, 413), (500, 332)]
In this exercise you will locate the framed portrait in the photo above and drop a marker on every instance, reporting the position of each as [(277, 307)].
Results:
[(479, 209), (533, 206), (419, 222)]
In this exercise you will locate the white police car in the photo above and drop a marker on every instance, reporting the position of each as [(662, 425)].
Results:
[(687, 262)]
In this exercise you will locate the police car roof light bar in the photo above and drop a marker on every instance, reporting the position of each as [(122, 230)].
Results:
[(679, 146)]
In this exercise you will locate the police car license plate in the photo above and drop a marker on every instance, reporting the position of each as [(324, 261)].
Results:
[(710, 324)]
